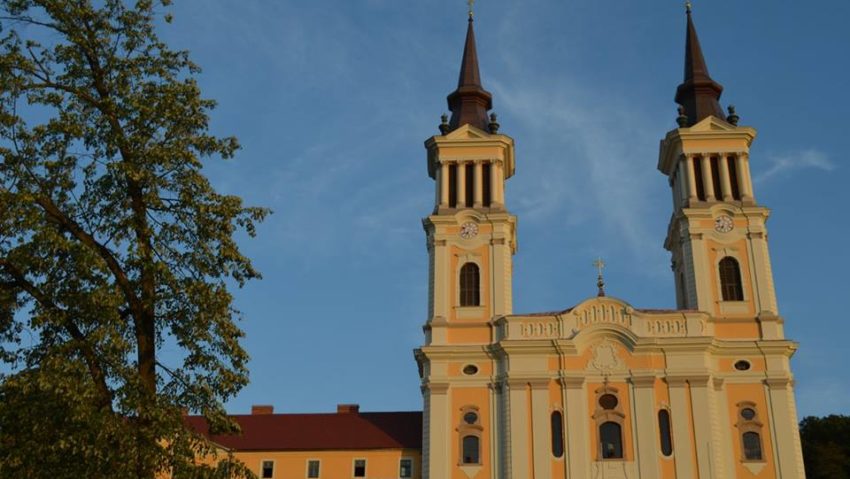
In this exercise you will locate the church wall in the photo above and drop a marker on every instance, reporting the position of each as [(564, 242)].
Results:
[(754, 393)]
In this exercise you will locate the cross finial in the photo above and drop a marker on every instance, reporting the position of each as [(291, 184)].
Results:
[(471, 4), (600, 282), (688, 6)]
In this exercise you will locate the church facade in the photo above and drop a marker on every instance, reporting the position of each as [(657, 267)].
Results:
[(603, 389), (599, 390)]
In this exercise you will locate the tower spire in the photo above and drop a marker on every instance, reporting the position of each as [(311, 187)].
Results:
[(699, 94), (470, 102)]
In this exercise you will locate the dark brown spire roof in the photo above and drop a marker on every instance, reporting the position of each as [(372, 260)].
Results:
[(470, 102), (698, 94)]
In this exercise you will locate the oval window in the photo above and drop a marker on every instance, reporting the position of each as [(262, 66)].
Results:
[(470, 418), (608, 401), (748, 413), (742, 365), (470, 370)]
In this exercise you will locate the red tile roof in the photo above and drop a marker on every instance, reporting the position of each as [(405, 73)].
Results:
[(302, 432)]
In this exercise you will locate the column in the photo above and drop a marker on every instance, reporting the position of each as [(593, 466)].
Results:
[(725, 433), (701, 413), (691, 179), (496, 184), (444, 185), (784, 426), (438, 432), (578, 442), (742, 162), (707, 182), (679, 409), (541, 429), (461, 185), (645, 416), (479, 182), (519, 439), (725, 183)]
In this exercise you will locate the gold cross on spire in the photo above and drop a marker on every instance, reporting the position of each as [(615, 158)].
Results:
[(688, 6), (600, 282), (471, 4)]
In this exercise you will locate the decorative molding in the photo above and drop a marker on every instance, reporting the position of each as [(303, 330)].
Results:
[(605, 358), (754, 467)]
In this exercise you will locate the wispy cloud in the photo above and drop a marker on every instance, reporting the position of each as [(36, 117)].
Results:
[(783, 165)]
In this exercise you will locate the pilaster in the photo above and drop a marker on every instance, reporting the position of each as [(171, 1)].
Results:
[(578, 442), (645, 415)]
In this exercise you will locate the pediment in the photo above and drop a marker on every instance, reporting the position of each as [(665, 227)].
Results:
[(712, 123), (467, 132)]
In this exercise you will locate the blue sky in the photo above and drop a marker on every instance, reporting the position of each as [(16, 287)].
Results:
[(332, 101)]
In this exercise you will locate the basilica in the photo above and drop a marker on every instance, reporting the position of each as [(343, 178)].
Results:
[(599, 390)]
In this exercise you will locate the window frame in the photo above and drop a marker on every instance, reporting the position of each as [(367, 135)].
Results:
[(319, 468), (354, 466), (262, 468), (474, 290), (737, 290), (412, 467)]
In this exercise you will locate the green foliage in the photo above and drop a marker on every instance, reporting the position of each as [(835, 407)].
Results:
[(113, 244), (826, 446)]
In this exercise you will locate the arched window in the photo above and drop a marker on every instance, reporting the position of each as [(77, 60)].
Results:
[(730, 280), (611, 439), (557, 434), (471, 450), (664, 432), (470, 294), (752, 446)]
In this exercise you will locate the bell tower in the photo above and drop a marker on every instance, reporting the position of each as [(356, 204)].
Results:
[(471, 239), (717, 234)]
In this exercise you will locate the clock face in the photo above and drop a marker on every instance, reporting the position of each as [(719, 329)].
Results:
[(723, 224), (468, 230)]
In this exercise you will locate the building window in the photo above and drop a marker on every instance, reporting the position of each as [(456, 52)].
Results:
[(405, 467), (313, 468), (750, 428), (752, 446), (557, 434), (611, 438), (360, 468), (486, 196), (469, 433), (267, 470), (470, 294), (471, 450), (730, 280), (610, 419), (664, 432)]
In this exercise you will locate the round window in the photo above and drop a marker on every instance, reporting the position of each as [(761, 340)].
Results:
[(470, 370), (748, 413), (742, 365), (470, 418), (608, 401)]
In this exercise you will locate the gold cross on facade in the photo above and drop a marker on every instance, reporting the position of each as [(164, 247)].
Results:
[(600, 282), (471, 4)]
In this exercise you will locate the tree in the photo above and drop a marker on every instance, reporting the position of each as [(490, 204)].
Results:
[(113, 245), (826, 446)]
